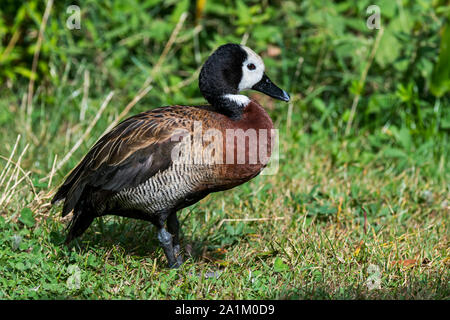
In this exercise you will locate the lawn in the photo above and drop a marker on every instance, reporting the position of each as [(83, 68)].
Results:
[(358, 207)]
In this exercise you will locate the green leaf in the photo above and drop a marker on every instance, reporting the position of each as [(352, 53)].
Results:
[(38, 184), (389, 48), (180, 8), (279, 265), (25, 72), (395, 153), (26, 217), (440, 78)]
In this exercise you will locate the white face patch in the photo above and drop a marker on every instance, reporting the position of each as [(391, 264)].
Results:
[(252, 70)]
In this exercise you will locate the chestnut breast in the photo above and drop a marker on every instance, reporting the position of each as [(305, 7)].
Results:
[(247, 145)]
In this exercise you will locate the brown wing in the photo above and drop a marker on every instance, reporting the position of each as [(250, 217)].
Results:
[(128, 155)]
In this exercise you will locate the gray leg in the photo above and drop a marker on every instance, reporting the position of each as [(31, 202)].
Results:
[(165, 239), (174, 226)]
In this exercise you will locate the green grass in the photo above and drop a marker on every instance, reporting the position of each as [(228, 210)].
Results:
[(343, 199), (319, 250)]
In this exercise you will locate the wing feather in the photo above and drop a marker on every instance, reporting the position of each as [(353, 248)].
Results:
[(129, 154)]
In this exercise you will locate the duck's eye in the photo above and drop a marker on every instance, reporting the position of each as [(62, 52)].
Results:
[(251, 66)]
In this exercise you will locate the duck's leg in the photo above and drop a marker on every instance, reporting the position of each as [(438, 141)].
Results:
[(173, 225), (165, 239)]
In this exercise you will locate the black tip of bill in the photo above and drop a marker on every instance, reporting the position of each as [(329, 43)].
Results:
[(285, 97), (266, 86)]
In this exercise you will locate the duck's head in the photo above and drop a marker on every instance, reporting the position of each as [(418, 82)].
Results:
[(231, 69)]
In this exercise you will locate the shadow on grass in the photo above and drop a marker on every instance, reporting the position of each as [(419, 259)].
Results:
[(133, 237)]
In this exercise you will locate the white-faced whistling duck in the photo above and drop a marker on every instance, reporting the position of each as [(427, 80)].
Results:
[(135, 169)]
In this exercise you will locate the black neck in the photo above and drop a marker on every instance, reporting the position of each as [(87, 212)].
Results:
[(225, 106)]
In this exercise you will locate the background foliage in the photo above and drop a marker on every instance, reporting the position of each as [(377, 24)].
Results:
[(336, 163)]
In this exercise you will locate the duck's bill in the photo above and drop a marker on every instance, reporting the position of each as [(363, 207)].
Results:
[(266, 86)]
